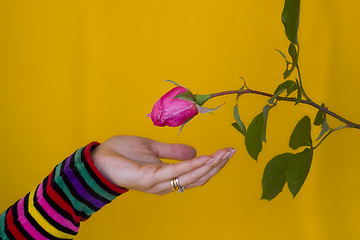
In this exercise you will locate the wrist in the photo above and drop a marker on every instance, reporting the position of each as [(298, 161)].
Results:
[(95, 157)]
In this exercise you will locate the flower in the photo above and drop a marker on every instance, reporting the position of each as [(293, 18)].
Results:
[(173, 112)]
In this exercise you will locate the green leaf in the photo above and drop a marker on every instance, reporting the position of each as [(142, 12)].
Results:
[(298, 169), (276, 94), (266, 110), (325, 128), (301, 136), (294, 56), (238, 94), (290, 19), (275, 175), (283, 55), (237, 127), (287, 85), (292, 88), (293, 53), (286, 73), (320, 117), (254, 136), (239, 123)]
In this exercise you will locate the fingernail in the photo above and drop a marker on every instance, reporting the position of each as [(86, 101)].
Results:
[(209, 161), (232, 153), (226, 155)]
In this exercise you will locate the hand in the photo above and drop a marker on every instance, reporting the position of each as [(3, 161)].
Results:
[(134, 163)]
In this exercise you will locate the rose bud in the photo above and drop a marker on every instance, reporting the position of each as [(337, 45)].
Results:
[(173, 112)]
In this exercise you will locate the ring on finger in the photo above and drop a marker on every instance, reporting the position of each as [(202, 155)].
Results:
[(176, 186)]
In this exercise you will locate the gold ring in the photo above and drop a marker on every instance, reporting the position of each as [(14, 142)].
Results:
[(172, 184), (175, 185)]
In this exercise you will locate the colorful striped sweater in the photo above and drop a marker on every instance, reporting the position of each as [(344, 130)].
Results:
[(73, 191)]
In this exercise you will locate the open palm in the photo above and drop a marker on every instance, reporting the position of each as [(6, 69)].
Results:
[(135, 163)]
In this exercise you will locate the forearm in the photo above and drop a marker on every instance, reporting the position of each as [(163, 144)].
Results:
[(72, 192)]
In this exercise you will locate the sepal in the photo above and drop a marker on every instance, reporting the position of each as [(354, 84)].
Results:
[(206, 110)]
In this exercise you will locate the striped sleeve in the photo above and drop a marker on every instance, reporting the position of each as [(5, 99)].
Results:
[(73, 191)]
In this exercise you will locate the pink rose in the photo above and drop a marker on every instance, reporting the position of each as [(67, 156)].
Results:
[(173, 112)]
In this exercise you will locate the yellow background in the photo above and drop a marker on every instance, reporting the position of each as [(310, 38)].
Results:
[(76, 71)]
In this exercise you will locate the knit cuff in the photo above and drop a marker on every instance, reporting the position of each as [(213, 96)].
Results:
[(95, 173)]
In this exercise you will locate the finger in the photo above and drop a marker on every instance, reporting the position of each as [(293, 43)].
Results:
[(172, 151), (211, 173), (188, 178), (196, 174), (204, 179), (170, 171)]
